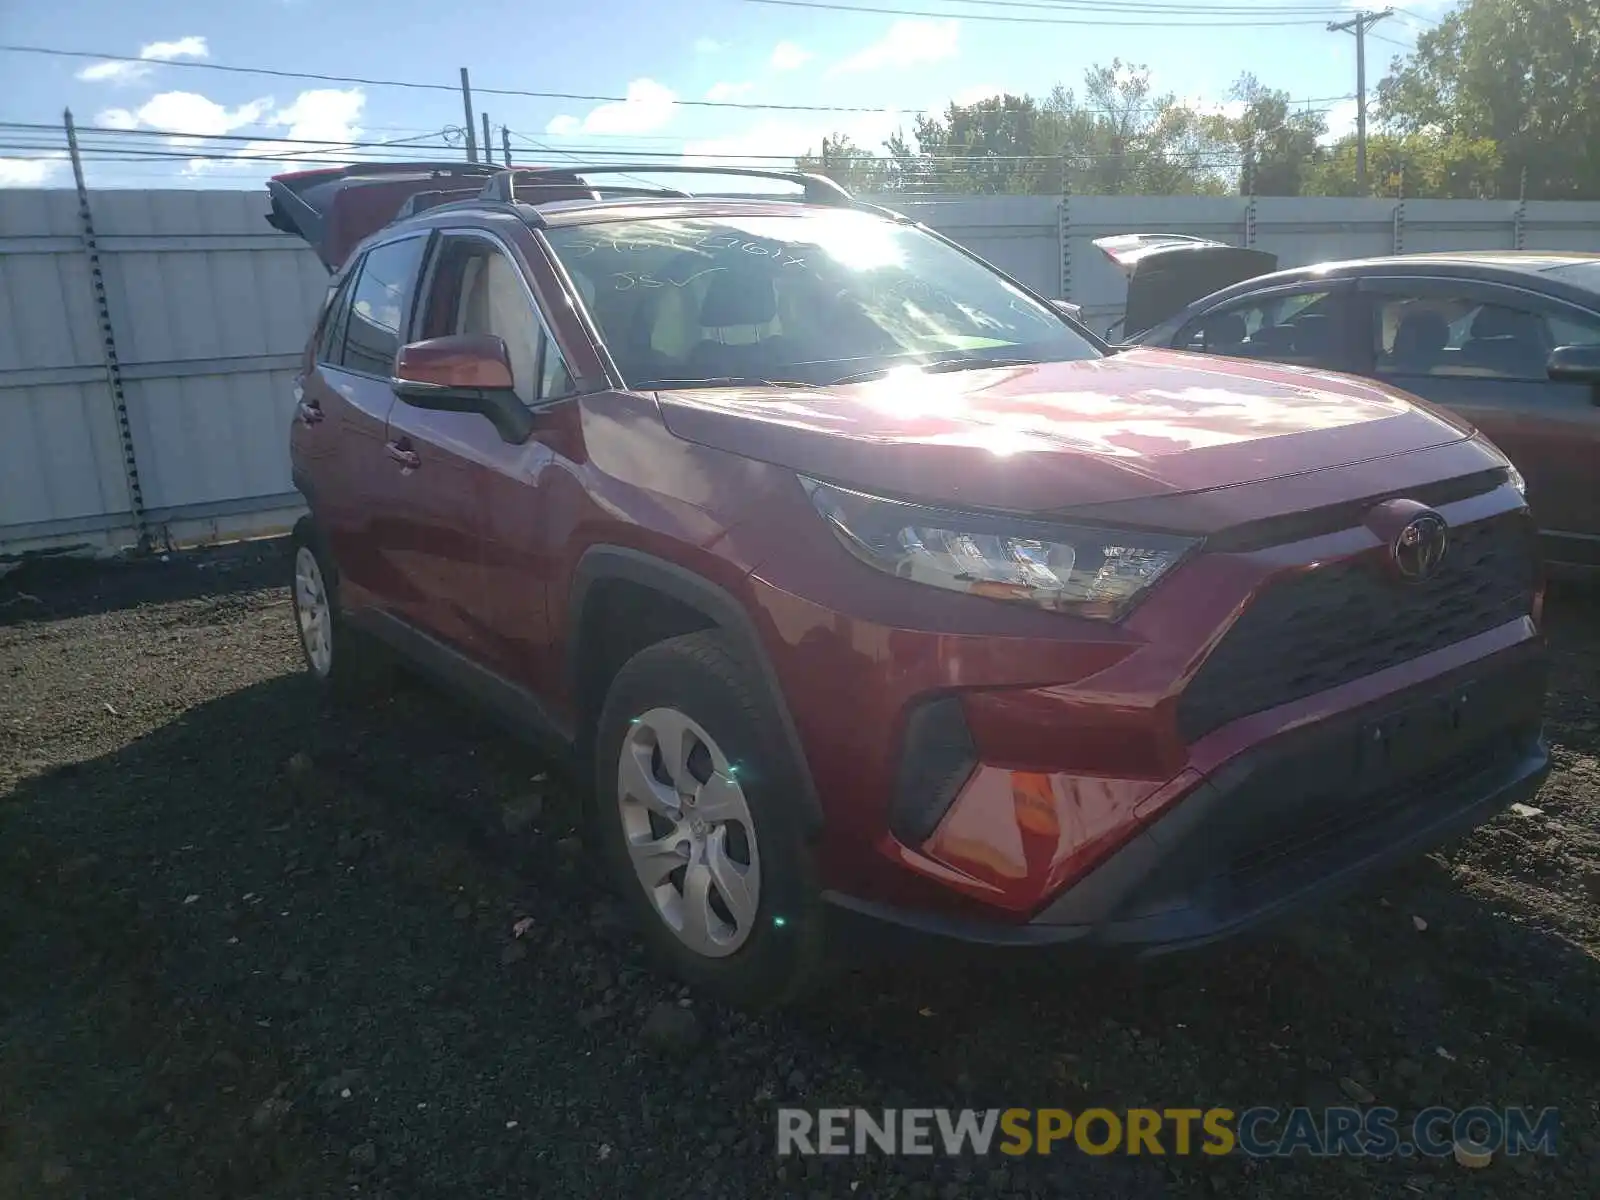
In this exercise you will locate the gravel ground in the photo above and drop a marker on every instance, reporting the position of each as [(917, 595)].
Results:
[(252, 947)]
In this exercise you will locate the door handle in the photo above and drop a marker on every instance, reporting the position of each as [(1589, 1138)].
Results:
[(307, 409), (408, 459)]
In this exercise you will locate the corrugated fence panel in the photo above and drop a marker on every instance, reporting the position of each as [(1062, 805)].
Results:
[(1018, 234), (1459, 225), (211, 308), (208, 438), (1552, 225), (60, 459)]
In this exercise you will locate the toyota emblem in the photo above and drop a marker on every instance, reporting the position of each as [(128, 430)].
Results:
[(1420, 547)]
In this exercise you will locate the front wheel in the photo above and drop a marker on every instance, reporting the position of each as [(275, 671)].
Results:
[(697, 815)]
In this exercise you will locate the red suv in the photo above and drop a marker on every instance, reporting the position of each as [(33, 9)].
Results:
[(862, 580)]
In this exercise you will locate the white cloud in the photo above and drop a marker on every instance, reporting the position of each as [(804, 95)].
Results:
[(194, 114), (706, 45), (114, 72), (648, 107), (30, 172), (907, 44), (728, 91), (1341, 118), (189, 47), (787, 56), (319, 115), (118, 72)]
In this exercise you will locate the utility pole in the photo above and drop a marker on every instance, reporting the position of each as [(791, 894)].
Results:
[(466, 104), (488, 144), (1358, 25), (505, 143)]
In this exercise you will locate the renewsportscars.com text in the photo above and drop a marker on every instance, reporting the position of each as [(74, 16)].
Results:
[(1257, 1132)]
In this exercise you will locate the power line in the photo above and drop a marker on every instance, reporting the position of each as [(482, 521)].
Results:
[(923, 12), (1156, 9), (452, 88), (218, 137)]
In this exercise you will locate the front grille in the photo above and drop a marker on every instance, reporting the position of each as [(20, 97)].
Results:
[(1339, 623)]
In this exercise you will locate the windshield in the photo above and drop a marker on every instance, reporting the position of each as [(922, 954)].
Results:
[(809, 299)]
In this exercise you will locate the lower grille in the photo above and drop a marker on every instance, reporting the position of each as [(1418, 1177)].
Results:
[(1336, 624), (1345, 818)]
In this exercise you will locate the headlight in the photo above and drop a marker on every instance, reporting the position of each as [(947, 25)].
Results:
[(1088, 572)]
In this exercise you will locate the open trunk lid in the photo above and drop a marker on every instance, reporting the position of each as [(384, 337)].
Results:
[(1167, 271), (334, 208)]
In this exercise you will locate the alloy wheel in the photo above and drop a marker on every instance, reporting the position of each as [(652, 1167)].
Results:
[(688, 831), (313, 612)]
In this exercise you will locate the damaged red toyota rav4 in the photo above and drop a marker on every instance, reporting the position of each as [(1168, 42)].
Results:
[(862, 580)]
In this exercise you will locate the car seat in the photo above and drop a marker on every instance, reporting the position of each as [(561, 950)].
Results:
[(1507, 342), (739, 300), (1419, 342), (494, 302)]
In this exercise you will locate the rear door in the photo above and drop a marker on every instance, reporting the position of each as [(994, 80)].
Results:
[(346, 397), (1481, 348)]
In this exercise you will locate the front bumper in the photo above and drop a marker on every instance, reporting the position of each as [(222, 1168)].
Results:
[(1298, 820)]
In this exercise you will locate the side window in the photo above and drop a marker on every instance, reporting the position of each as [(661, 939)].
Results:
[(477, 288), (330, 334), (1574, 330), (1466, 337), (555, 381), (377, 306), (1297, 327)]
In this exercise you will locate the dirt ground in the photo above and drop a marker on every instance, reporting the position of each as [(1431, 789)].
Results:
[(250, 946)]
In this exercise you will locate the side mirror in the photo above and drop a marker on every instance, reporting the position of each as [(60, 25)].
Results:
[(1576, 364), (464, 372)]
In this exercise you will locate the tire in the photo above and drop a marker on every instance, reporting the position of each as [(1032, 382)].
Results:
[(345, 663), (695, 685)]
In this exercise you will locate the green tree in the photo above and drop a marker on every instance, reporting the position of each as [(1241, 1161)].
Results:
[(1276, 151), (1522, 74), (849, 165), (992, 145), (1424, 164)]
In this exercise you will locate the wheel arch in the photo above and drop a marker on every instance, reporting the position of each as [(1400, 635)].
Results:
[(695, 603)]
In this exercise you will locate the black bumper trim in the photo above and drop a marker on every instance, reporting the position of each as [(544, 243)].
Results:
[(1205, 871)]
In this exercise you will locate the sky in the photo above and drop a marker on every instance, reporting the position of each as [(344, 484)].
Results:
[(655, 57)]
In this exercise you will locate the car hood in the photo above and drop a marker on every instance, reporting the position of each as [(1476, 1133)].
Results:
[(1054, 436)]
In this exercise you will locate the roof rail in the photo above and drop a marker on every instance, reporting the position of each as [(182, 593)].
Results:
[(358, 170), (817, 189)]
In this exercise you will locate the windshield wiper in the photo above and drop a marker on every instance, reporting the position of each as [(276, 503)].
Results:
[(718, 381), (939, 366)]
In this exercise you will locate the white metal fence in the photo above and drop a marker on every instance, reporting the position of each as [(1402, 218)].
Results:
[(206, 308)]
